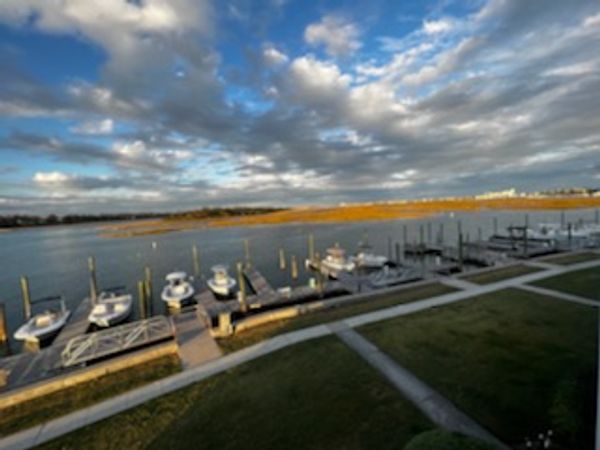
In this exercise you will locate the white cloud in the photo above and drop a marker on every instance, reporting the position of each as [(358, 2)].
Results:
[(437, 26), (274, 57), (339, 36), (51, 178), (95, 127)]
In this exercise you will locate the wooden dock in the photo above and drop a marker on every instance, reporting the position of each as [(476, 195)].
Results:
[(195, 343), (77, 324)]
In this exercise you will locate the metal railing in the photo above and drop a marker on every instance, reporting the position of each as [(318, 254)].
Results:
[(88, 347)]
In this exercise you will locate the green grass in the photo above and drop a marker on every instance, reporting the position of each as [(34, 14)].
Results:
[(269, 330), (315, 395), (517, 362), (500, 274), (572, 258), (62, 402), (585, 283)]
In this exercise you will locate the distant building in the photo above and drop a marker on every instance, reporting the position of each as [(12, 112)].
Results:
[(508, 193)]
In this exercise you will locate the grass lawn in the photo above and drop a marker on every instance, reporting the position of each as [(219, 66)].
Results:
[(62, 402), (266, 331), (517, 362), (571, 258), (315, 395), (500, 274), (582, 282)]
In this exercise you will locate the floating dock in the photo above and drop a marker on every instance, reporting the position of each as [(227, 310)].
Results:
[(77, 324), (195, 343)]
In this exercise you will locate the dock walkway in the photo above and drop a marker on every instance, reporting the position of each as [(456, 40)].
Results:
[(196, 345), (77, 324)]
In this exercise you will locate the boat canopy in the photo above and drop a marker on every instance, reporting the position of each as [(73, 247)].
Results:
[(219, 268), (176, 276)]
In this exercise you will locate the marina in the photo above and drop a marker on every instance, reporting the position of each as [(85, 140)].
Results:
[(203, 312)]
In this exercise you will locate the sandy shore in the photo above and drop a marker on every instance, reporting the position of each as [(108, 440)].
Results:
[(350, 213)]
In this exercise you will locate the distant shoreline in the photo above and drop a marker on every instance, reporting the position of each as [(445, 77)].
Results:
[(415, 209)]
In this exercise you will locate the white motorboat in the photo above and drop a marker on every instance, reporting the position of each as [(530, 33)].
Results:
[(366, 259), (43, 325), (221, 283), (112, 306), (178, 289), (336, 262)]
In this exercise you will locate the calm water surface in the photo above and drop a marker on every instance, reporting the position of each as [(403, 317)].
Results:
[(55, 258)]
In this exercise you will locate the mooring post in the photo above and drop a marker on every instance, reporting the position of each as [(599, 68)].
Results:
[(311, 247), (93, 281), (319, 274), (247, 252), (225, 328), (398, 260), (294, 267), (196, 260), (142, 299), (26, 298), (3, 327), (389, 248), (570, 234), (421, 235), (148, 290), (404, 236), (495, 225), (281, 259), (441, 234), (429, 232), (242, 284), (460, 251), (525, 236)]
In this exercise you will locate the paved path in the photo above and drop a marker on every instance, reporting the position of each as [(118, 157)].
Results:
[(540, 264), (458, 283), (43, 433), (561, 295), (436, 407)]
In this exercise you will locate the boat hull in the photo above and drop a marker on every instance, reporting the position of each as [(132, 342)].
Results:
[(27, 332)]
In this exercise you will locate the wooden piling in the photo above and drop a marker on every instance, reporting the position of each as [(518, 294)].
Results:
[(148, 291), (525, 237), (26, 298), (319, 275), (570, 233), (311, 246), (282, 263), (389, 248), (495, 225), (441, 234), (93, 281), (3, 326), (404, 235), (294, 267), (142, 299), (242, 285), (247, 252), (460, 251), (421, 235), (196, 260), (398, 259), (429, 232)]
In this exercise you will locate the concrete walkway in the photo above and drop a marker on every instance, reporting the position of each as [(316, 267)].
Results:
[(45, 432), (436, 407), (562, 295)]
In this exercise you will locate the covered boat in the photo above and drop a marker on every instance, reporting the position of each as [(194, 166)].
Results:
[(221, 283), (113, 306), (178, 289), (44, 325)]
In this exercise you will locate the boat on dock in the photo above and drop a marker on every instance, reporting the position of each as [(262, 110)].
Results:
[(113, 306), (178, 290), (336, 262), (44, 325), (221, 283), (366, 259)]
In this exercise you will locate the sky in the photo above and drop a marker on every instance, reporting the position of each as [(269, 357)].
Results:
[(167, 105)]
